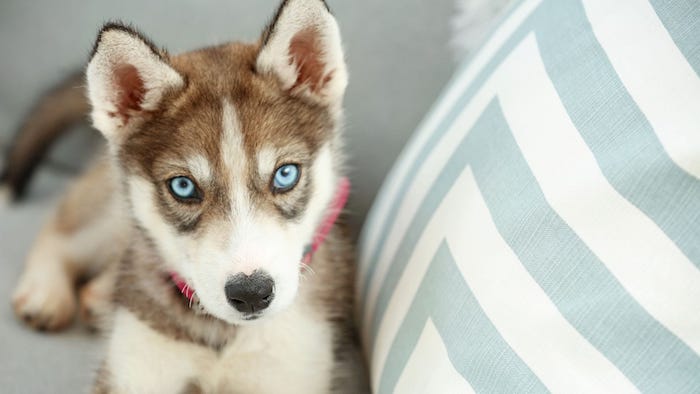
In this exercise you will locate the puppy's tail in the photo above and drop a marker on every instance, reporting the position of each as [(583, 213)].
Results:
[(62, 107)]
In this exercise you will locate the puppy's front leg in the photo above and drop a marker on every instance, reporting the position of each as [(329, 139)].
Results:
[(142, 360)]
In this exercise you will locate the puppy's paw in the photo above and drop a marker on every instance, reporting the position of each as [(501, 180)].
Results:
[(44, 302)]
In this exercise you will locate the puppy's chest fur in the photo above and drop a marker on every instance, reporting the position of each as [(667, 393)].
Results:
[(291, 353)]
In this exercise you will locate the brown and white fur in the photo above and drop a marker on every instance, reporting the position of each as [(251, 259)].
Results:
[(226, 117)]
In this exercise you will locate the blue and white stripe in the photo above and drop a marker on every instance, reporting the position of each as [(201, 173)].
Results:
[(541, 231)]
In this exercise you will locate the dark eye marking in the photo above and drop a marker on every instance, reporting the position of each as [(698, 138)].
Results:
[(291, 206), (188, 226), (178, 210)]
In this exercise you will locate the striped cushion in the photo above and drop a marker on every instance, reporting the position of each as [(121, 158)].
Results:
[(541, 231)]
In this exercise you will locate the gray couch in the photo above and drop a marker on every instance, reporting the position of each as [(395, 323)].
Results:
[(398, 59)]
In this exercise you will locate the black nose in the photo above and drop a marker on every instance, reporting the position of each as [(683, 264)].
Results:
[(250, 294)]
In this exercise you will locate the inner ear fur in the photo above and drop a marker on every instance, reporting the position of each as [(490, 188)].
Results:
[(127, 78), (302, 48)]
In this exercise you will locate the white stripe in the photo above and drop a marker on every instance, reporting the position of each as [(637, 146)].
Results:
[(645, 261), (523, 314), (429, 370), (526, 318), (444, 220), (427, 173), (654, 71), (234, 158), (389, 191), (417, 191), (431, 168)]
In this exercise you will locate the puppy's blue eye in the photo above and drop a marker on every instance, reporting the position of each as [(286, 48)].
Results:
[(286, 177), (183, 187)]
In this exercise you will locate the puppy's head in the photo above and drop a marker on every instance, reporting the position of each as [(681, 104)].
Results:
[(229, 155)]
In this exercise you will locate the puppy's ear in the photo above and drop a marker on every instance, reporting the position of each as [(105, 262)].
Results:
[(303, 49), (127, 78)]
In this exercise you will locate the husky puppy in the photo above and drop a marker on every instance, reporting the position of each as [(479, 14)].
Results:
[(210, 220)]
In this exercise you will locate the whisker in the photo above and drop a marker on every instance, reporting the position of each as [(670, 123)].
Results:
[(308, 268)]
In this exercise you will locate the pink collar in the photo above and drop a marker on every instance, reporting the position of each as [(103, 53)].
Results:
[(334, 210)]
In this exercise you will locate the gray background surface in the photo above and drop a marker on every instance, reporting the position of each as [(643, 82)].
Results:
[(398, 59)]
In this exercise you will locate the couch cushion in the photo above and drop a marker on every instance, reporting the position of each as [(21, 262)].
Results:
[(541, 230)]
